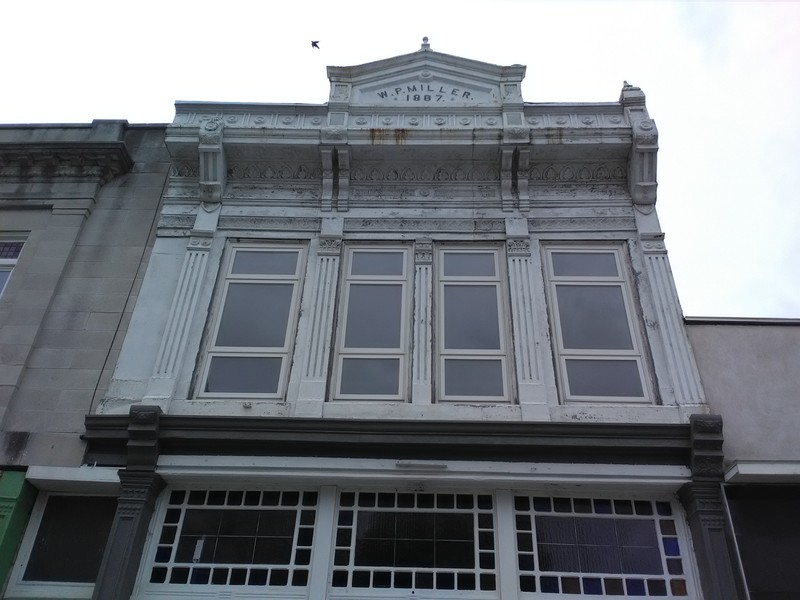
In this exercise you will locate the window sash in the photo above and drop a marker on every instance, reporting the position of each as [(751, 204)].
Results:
[(260, 368), (583, 348), (373, 335), (479, 281)]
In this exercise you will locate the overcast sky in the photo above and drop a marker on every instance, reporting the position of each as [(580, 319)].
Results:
[(722, 81)]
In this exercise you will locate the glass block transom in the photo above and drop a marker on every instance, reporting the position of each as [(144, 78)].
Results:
[(599, 547), (236, 538), (415, 541)]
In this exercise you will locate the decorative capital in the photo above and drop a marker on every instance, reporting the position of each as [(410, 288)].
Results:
[(423, 252), (200, 243), (330, 246), (518, 247)]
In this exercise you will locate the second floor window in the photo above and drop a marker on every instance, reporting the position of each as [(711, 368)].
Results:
[(599, 356), (253, 333), (471, 325), (374, 323)]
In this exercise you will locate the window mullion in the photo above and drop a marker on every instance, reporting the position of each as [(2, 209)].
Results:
[(322, 556), (507, 574)]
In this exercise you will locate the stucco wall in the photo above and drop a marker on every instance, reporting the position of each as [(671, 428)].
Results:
[(751, 375)]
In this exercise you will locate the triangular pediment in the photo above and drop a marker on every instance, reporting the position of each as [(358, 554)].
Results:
[(426, 78)]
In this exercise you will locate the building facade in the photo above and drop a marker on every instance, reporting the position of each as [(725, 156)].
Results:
[(422, 341)]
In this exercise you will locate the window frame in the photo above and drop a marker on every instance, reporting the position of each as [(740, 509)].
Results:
[(18, 587), (226, 278), (7, 265), (500, 282), (149, 563), (621, 281), (403, 352), (496, 536)]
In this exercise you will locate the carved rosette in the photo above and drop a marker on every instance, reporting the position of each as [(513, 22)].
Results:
[(211, 132), (202, 244)]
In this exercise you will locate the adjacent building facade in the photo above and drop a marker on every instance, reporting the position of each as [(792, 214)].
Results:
[(422, 341)]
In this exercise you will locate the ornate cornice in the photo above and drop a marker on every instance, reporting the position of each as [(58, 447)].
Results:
[(96, 161)]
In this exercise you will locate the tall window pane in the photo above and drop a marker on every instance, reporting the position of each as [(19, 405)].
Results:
[(593, 317), (471, 317), (239, 328), (373, 316)]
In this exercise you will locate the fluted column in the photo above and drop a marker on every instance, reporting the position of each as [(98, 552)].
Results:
[(317, 347), (677, 353), (521, 284), (422, 342), (181, 314)]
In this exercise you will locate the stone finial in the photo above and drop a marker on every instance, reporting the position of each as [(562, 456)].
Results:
[(425, 44)]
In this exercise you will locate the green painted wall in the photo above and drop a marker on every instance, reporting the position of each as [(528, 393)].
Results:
[(16, 502)]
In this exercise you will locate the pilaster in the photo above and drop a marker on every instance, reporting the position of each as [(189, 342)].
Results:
[(526, 351), (702, 500), (140, 489), (317, 347), (683, 374), (184, 306), (422, 343)]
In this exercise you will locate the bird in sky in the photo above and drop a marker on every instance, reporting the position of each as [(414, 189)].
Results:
[(315, 44)]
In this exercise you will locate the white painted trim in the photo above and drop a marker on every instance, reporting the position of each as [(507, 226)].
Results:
[(84, 479), (763, 471), (256, 470)]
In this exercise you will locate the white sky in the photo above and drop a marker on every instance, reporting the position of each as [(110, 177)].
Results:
[(722, 81)]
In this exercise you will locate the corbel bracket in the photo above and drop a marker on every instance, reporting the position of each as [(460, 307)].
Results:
[(514, 164), (212, 173), (643, 158)]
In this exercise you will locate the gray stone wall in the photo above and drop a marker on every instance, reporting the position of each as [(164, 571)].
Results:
[(66, 308)]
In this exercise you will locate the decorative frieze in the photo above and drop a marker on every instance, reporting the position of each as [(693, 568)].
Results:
[(272, 171), (423, 225), (259, 223), (587, 223), (424, 173), (554, 173), (610, 117)]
